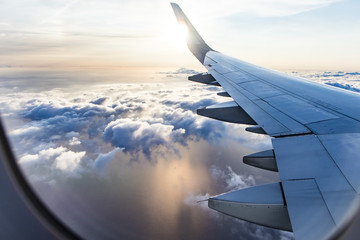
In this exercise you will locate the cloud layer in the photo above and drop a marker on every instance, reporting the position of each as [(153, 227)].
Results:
[(129, 142), (142, 147), (123, 140)]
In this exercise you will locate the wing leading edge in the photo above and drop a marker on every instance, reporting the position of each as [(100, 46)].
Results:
[(315, 134)]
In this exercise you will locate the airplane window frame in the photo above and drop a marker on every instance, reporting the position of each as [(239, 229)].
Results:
[(13, 177)]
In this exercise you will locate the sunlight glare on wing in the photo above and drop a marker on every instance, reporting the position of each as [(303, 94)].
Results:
[(182, 31)]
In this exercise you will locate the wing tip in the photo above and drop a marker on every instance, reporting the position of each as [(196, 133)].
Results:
[(195, 42)]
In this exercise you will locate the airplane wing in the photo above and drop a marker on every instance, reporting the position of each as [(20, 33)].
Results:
[(315, 130)]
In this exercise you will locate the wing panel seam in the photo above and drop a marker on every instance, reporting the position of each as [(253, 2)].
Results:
[(322, 197), (233, 85), (332, 108), (254, 101), (337, 166)]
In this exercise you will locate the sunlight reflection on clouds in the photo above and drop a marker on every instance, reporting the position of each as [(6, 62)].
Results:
[(137, 154)]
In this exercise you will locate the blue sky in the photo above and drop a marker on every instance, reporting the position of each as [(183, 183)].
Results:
[(304, 35)]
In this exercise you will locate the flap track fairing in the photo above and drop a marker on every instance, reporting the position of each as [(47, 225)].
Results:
[(227, 112), (204, 78), (263, 204), (264, 160)]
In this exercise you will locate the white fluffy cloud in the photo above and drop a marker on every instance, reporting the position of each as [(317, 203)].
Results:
[(67, 127), (133, 117), (227, 177), (104, 159), (136, 134), (92, 133), (68, 161), (43, 156), (345, 80), (50, 163), (233, 181), (74, 141)]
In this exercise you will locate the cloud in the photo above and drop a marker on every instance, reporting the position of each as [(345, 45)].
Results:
[(138, 118), (227, 178), (72, 135), (42, 156), (36, 111), (68, 161), (199, 200), (137, 135), (74, 141), (50, 163), (137, 121), (25, 130), (345, 80), (133, 117), (104, 159), (233, 180), (180, 71), (99, 101), (143, 142), (262, 8), (344, 86)]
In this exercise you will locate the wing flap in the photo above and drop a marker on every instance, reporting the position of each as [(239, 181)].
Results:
[(305, 157), (310, 217), (344, 149)]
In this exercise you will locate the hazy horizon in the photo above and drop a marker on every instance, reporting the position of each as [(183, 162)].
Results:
[(308, 35)]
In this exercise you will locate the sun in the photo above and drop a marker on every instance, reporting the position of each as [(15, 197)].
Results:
[(177, 33)]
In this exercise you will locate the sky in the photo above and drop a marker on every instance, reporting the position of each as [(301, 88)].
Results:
[(103, 121), (281, 34)]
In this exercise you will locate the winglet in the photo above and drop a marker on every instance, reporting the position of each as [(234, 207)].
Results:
[(194, 41)]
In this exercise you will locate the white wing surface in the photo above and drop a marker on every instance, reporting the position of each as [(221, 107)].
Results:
[(315, 132)]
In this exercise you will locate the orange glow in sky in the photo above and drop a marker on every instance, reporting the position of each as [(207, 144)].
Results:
[(280, 34)]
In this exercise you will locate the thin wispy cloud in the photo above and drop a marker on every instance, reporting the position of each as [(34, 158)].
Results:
[(83, 34), (128, 34), (263, 8), (60, 11)]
